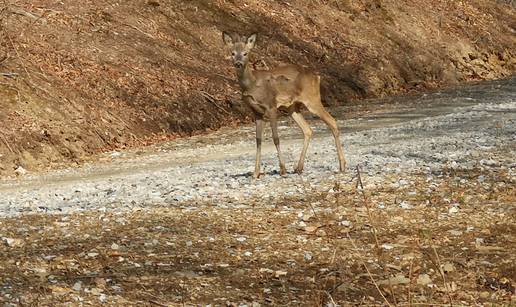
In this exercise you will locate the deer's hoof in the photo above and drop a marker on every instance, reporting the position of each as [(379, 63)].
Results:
[(298, 170), (257, 175)]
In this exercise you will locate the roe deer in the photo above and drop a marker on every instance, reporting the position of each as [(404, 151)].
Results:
[(286, 88)]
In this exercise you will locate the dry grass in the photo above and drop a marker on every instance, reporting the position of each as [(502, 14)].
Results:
[(278, 252)]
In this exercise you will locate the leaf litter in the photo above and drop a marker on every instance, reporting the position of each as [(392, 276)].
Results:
[(349, 251)]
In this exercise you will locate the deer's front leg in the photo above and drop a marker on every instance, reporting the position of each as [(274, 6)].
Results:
[(259, 133), (275, 138)]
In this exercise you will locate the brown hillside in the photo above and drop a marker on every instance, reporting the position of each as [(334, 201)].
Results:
[(79, 77)]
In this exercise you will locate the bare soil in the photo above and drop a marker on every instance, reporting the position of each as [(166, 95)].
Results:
[(79, 78)]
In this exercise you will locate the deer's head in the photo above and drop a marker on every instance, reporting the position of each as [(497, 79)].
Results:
[(240, 47)]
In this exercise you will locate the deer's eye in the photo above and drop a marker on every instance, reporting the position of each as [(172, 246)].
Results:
[(233, 53), (245, 54)]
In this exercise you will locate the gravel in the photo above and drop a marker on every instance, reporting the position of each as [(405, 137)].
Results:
[(462, 128)]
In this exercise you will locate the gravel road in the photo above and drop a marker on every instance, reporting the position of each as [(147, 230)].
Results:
[(467, 127)]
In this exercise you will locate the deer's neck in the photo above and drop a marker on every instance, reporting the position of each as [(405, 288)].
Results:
[(246, 78)]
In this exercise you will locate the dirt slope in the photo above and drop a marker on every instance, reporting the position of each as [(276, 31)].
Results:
[(79, 77)]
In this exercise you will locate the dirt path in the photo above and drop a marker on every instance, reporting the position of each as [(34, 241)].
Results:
[(460, 128)]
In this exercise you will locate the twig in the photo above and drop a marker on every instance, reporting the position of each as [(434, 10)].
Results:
[(331, 298), (9, 74), (207, 95), (18, 55), (369, 272), (428, 304), (7, 144), (212, 99), (157, 303), (306, 193), (439, 268), (374, 230), (4, 58), (367, 205), (138, 29), (410, 282), (21, 12)]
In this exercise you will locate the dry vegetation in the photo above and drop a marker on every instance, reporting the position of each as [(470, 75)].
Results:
[(449, 240), (79, 77)]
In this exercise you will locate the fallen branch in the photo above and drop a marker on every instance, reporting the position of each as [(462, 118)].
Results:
[(21, 12), (9, 74), (212, 99)]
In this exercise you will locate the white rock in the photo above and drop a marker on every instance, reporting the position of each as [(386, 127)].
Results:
[(12, 242), (453, 210), (405, 205), (455, 232), (103, 298), (387, 246), (345, 223), (77, 286)]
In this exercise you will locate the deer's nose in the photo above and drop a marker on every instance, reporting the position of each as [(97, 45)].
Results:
[(239, 64)]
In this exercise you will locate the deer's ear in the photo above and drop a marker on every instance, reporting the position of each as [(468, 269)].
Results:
[(251, 40), (227, 38)]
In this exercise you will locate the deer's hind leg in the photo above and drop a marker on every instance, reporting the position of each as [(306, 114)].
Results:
[(307, 134), (318, 109)]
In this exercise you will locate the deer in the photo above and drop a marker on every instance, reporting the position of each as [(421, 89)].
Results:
[(286, 88)]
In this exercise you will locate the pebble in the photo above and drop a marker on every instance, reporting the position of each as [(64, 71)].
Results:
[(453, 210), (77, 286)]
